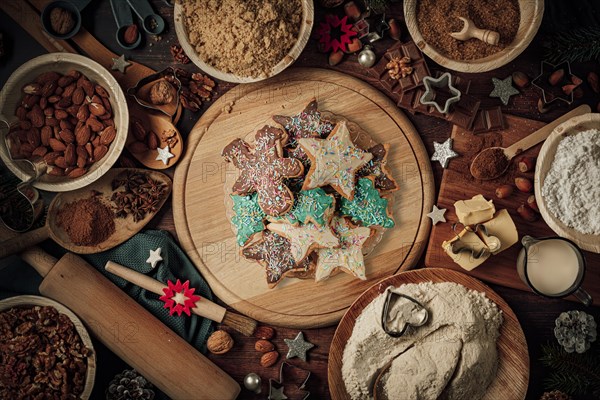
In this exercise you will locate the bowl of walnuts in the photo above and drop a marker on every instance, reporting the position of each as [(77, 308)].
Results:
[(45, 350), (66, 114)]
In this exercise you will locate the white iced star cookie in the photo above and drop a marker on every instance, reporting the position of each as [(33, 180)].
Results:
[(348, 256), (305, 238), (155, 257), (334, 161), (164, 154)]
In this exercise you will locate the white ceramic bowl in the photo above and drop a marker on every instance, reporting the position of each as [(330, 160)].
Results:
[(30, 301), (531, 11), (293, 54), (11, 96)]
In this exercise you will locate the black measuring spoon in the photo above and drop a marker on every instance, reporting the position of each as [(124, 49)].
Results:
[(73, 7), (153, 23), (124, 19)]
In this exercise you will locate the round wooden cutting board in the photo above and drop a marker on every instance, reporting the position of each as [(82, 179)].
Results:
[(512, 377), (199, 208)]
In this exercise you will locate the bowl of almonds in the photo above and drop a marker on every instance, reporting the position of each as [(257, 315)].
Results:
[(65, 113)]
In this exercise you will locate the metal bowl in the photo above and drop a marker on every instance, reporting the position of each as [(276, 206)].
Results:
[(10, 98)]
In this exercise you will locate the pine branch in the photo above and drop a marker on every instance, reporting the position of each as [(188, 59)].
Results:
[(572, 373), (581, 44)]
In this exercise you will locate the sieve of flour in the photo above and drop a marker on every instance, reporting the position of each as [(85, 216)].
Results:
[(400, 312)]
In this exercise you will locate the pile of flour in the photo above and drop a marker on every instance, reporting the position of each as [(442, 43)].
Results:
[(452, 356), (571, 188)]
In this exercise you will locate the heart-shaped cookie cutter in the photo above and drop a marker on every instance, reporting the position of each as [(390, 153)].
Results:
[(22, 199), (386, 310), (170, 75)]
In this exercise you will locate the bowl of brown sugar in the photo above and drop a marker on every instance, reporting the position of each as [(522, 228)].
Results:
[(430, 23), (243, 41)]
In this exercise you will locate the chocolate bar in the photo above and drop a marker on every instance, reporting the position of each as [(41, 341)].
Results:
[(409, 82), (488, 119)]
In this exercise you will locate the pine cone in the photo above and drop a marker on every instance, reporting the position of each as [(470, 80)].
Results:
[(555, 395), (129, 385)]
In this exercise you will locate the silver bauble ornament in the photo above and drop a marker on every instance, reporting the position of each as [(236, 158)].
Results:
[(252, 382), (367, 57)]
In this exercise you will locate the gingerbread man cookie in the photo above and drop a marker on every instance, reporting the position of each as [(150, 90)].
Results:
[(307, 124), (334, 161), (274, 253), (263, 170)]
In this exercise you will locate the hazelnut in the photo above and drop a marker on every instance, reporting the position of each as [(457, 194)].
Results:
[(504, 191), (594, 81), (161, 93), (220, 342), (395, 31), (523, 184), (520, 79), (532, 203), (526, 164), (336, 57), (61, 20), (556, 77), (526, 213)]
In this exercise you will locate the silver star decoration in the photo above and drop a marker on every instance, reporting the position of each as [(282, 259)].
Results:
[(437, 215), (164, 155), (277, 393), (503, 89), (298, 347), (120, 64), (443, 152), (154, 258)]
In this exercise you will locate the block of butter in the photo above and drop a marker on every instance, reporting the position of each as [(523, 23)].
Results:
[(502, 227), (475, 210), (472, 244)]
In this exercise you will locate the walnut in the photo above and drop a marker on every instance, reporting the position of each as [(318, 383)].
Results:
[(178, 54), (399, 67), (161, 93), (220, 342), (61, 20)]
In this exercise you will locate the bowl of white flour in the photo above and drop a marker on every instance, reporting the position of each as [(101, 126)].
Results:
[(566, 181), (471, 346)]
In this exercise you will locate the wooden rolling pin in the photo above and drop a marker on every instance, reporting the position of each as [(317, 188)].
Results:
[(129, 330)]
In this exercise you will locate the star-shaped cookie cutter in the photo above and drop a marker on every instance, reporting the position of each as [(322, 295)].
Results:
[(432, 97), (552, 93), (276, 387)]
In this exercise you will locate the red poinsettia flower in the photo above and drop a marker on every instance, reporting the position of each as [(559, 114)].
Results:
[(179, 297), (335, 33)]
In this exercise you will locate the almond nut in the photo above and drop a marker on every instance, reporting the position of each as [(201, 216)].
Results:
[(70, 155), (220, 342), (67, 136), (101, 91), (94, 124), (97, 109), (131, 34), (45, 135), (40, 151), (83, 113), (56, 171), (36, 116), (47, 77), (60, 162), (269, 359), (264, 332), (264, 346), (108, 135), (82, 135), (78, 96), (56, 144), (76, 172), (152, 140), (49, 88), (51, 157), (523, 184), (60, 114), (138, 131), (100, 152)]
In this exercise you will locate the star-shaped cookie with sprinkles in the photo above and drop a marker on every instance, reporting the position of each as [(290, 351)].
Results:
[(377, 167), (305, 238)]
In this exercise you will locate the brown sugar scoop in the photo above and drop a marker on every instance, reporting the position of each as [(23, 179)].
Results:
[(492, 162), (469, 31), (124, 228)]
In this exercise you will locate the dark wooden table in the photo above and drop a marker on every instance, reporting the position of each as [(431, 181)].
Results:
[(535, 313)]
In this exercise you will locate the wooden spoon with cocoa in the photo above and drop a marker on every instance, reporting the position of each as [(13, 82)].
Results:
[(493, 162), (62, 228)]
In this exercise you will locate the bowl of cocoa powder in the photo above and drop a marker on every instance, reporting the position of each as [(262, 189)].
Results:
[(243, 41), (430, 23), (66, 112)]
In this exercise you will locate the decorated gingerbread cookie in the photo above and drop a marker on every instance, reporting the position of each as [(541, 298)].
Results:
[(367, 206), (263, 170), (312, 205), (273, 252), (334, 161), (305, 238), (377, 167), (307, 124), (348, 256), (248, 217)]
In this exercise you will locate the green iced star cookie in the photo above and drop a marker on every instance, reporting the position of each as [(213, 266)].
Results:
[(367, 206), (312, 205), (249, 217)]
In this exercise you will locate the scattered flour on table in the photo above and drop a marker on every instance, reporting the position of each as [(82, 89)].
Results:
[(571, 189), (452, 356)]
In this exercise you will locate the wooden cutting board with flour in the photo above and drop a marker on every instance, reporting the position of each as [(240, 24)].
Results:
[(458, 184)]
